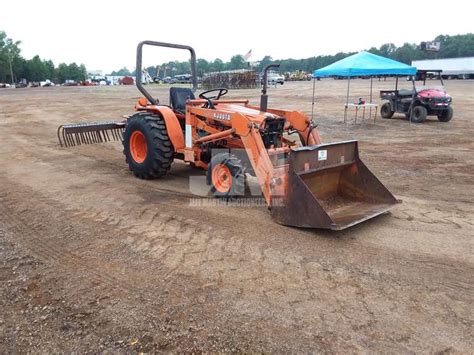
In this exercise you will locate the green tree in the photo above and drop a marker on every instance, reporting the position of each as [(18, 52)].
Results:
[(264, 62), (237, 62), (202, 66), (62, 72), (9, 54), (121, 72), (36, 69), (217, 65)]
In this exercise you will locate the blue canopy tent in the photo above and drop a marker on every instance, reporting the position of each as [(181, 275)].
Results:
[(363, 64)]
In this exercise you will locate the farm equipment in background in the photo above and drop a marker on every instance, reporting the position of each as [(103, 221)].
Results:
[(305, 183), (298, 75), (418, 103)]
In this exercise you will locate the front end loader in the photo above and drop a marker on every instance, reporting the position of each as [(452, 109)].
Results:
[(304, 182)]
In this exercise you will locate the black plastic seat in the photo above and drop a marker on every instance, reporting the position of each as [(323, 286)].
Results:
[(405, 92), (178, 98)]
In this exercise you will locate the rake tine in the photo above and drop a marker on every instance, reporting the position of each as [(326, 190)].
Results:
[(64, 138), (101, 135), (69, 139), (59, 136)]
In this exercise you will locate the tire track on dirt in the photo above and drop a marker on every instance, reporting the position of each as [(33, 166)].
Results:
[(34, 230)]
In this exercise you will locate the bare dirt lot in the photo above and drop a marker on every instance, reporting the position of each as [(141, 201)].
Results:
[(93, 259)]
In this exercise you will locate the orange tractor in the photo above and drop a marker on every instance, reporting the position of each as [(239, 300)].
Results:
[(304, 182)]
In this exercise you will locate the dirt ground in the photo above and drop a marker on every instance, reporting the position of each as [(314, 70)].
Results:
[(93, 259)]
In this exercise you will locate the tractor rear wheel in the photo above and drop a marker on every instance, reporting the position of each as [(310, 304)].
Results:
[(419, 114), (386, 110), (226, 175), (147, 147), (446, 115)]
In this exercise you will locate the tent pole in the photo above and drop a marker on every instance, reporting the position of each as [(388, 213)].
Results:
[(370, 108), (347, 96), (312, 104), (347, 99)]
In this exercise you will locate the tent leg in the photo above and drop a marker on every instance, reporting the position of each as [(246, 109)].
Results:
[(312, 104), (347, 96), (370, 109)]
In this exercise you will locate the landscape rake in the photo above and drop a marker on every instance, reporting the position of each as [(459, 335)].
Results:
[(70, 135)]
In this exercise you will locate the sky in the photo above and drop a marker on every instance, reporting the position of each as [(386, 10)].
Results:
[(103, 34)]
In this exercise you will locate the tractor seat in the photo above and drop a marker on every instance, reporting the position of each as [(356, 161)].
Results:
[(178, 98), (405, 92)]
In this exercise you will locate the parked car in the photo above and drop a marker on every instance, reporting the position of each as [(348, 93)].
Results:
[(275, 78)]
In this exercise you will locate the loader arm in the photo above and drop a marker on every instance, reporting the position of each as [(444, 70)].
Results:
[(257, 153)]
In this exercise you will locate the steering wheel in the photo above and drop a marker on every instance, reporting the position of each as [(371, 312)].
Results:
[(220, 92)]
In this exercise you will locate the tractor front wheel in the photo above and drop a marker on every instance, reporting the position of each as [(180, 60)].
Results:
[(386, 110), (226, 175), (147, 148), (446, 115)]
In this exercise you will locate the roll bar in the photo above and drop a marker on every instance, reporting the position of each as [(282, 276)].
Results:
[(138, 71)]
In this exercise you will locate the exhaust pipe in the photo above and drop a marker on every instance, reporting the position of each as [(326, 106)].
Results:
[(264, 97)]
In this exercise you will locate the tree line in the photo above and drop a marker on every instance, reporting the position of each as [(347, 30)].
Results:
[(451, 47), (13, 67)]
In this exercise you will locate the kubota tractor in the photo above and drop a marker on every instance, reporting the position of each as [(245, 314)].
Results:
[(304, 182)]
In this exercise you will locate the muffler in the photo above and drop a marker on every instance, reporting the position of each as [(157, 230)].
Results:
[(328, 186)]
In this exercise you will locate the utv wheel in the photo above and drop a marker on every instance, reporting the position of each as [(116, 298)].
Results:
[(386, 110), (419, 114), (226, 175), (446, 115), (147, 148)]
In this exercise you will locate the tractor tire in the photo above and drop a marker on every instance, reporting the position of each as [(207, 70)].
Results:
[(226, 175), (419, 114), (446, 115), (386, 110), (147, 147)]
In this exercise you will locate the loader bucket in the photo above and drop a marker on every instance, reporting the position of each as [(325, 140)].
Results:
[(328, 186)]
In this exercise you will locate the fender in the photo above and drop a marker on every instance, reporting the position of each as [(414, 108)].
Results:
[(175, 132)]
